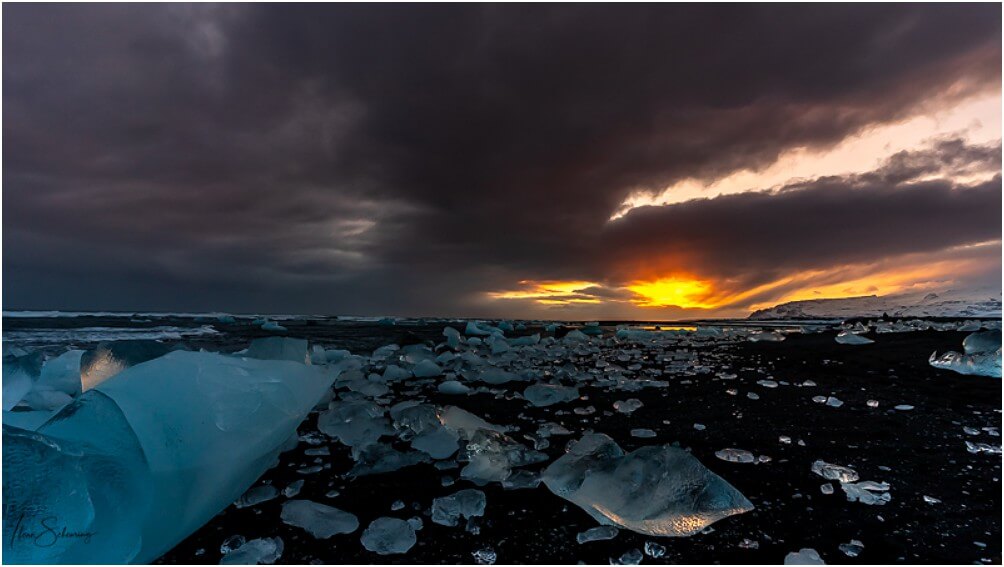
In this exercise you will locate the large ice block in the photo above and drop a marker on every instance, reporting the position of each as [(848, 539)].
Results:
[(656, 490), (160, 448)]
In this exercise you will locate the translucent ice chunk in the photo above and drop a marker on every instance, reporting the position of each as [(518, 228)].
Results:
[(320, 520), (426, 369), (492, 455), (155, 433), (627, 406), (982, 356), (279, 348), (497, 376), (849, 338), (263, 551), (867, 492), (62, 373), (834, 472), (257, 495), (804, 556), (467, 503), (599, 533), (389, 536), (19, 376), (543, 395), (735, 455), (354, 423), (453, 387), (657, 490)]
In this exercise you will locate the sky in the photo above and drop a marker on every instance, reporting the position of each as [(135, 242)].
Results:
[(650, 162)]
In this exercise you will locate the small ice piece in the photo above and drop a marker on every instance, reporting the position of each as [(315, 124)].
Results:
[(497, 376), (767, 383), (389, 536), (453, 387), (752, 395), (292, 489), (627, 406), (599, 533), (819, 399), (475, 329), (427, 369), (852, 549), (467, 503), (784, 439), (575, 336), (654, 550), (656, 490), (987, 448), (632, 557), (279, 348), (849, 338), (273, 327), (257, 495), (355, 423), (804, 556), (453, 338), (867, 492), (834, 402), (262, 551), (931, 500), (747, 543), (492, 455), (485, 556), (232, 543), (521, 479), (766, 336), (834, 472), (643, 433), (904, 407), (735, 455), (872, 403), (320, 520), (381, 458), (826, 488), (699, 426), (543, 395), (394, 373), (62, 373)]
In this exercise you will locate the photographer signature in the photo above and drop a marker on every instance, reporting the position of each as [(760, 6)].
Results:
[(48, 533)]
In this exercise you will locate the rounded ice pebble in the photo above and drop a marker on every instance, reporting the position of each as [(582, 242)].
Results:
[(389, 536), (453, 387)]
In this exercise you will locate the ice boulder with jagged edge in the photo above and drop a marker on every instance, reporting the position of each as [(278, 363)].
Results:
[(142, 460), (658, 490), (982, 356)]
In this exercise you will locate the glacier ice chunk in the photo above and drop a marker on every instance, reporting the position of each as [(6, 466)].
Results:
[(279, 348), (543, 395), (319, 520), (144, 446), (467, 503), (389, 536), (656, 490)]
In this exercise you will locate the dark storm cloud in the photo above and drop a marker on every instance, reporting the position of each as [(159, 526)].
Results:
[(391, 158)]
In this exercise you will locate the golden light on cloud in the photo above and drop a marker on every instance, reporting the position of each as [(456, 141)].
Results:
[(550, 292), (978, 117)]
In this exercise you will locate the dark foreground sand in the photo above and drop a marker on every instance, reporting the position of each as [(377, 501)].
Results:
[(924, 450)]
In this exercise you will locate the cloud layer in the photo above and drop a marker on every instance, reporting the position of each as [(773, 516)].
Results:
[(410, 159)]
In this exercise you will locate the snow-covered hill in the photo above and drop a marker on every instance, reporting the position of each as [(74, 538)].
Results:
[(951, 303)]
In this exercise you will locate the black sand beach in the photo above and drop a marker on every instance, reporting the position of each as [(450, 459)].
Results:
[(919, 452)]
